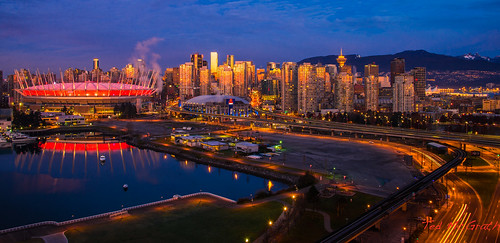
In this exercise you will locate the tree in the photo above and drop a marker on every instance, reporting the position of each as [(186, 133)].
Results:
[(313, 194)]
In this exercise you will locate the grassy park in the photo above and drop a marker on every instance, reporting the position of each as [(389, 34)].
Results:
[(483, 182), (193, 221)]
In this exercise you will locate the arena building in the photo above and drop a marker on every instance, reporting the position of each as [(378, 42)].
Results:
[(218, 104)]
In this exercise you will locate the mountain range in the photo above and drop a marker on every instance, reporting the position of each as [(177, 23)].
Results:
[(417, 58)]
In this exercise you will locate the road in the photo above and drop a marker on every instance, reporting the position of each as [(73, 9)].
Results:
[(297, 122)]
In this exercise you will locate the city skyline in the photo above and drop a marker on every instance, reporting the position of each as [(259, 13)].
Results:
[(52, 35)]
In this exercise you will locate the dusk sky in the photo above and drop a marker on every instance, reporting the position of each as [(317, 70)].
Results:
[(61, 34)]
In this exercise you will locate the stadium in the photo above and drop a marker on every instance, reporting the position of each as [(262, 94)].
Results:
[(91, 97)]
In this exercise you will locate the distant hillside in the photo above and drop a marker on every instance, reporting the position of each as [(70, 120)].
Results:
[(419, 58)]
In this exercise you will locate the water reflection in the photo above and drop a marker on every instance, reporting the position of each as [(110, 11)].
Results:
[(58, 179)]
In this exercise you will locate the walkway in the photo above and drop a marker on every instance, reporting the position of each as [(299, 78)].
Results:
[(326, 222), (55, 238)]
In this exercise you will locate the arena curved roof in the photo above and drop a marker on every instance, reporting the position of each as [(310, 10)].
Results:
[(87, 89), (203, 99)]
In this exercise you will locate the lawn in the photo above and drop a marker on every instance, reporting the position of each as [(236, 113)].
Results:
[(483, 182), (192, 222), (309, 228), (475, 161), (351, 210)]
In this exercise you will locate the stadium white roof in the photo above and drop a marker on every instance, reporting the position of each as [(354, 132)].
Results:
[(203, 99)]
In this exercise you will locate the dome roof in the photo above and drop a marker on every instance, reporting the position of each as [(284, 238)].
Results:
[(203, 99)]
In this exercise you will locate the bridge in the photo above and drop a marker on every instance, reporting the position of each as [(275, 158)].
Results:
[(392, 203), (291, 122)]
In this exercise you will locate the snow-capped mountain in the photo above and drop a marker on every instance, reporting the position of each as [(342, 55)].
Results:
[(476, 56)]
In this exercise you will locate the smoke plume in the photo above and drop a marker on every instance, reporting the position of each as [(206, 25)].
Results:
[(143, 51)]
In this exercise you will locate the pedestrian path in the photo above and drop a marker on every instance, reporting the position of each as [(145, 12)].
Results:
[(55, 238), (326, 222)]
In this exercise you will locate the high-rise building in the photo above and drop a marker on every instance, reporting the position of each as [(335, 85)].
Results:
[(230, 60), (261, 75), (186, 86), (129, 71), (225, 74), (250, 73), (289, 83), (331, 69), (397, 68), (214, 62), (403, 93), (197, 60), (310, 87), (204, 81), (371, 88), (371, 70), (96, 63), (344, 92), (240, 79), (420, 81)]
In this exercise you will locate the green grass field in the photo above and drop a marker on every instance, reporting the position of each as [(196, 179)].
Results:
[(309, 228), (203, 222), (483, 183)]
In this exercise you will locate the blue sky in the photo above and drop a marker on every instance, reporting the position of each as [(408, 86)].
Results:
[(60, 34)]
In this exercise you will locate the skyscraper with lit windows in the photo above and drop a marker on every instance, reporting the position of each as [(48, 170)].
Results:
[(371, 87), (289, 83), (214, 62), (225, 74), (186, 85), (403, 93), (204, 81)]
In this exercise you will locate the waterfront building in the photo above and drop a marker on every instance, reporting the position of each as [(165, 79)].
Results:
[(403, 98)]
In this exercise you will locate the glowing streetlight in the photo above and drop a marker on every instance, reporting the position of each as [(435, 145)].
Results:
[(270, 222), (435, 210), (430, 201), (285, 208), (246, 239)]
